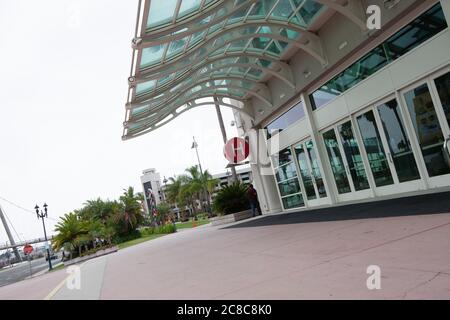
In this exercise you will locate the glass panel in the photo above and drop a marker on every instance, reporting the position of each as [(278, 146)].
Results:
[(353, 156), (362, 69), (261, 9), (415, 33), (161, 12), (421, 29), (428, 130), (286, 172), (144, 86), (293, 201), (336, 162), (294, 114), (176, 46), (398, 141), (309, 11), (188, 6), (289, 187), (283, 10), (322, 96), (151, 55), (374, 149), (284, 157), (315, 169), (304, 172), (443, 88)]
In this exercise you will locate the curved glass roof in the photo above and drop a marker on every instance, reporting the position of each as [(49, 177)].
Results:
[(199, 48)]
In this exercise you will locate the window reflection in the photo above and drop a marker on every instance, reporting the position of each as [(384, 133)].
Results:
[(398, 142), (374, 149), (424, 27), (336, 162), (353, 156), (428, 130), (291, 116), (443, 87)]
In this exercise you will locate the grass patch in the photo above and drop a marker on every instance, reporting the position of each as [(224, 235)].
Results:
[(133, 242), (190, 224), (59, 267)]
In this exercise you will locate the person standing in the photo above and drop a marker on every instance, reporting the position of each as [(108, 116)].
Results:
[(252, 196)]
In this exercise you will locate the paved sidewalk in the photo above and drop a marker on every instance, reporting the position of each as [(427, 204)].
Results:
[(296, 258)]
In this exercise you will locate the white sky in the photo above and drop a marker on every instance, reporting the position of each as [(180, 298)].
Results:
[(64, 66)]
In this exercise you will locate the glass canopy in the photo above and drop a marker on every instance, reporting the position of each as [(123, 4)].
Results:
[(191, 49)]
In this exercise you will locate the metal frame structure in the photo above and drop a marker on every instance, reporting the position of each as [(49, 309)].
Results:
[(185, 51)]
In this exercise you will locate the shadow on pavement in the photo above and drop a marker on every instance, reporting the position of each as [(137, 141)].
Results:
[(416, 205)]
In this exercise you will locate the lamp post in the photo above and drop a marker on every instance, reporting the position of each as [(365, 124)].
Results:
[(195, 146), (165, 188), (42, 215)]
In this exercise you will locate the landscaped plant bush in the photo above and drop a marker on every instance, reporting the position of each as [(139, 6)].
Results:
[(92, 251), (131, 236), (163, 229), (231, 199)]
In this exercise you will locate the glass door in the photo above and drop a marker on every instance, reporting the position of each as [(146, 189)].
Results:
[(346, 163), (388, 149), (287, 180), (428, 106), (310, 173)]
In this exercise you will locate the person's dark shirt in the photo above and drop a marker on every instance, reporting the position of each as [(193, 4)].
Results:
[(252, 194)]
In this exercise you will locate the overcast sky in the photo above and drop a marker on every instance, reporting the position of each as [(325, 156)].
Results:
[(64, 66)]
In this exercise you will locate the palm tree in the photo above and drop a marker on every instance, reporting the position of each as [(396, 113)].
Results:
[(174, 187), (108, 231), (130, 214), (196, 183), (69, 229), (99, 210), (211, 185)]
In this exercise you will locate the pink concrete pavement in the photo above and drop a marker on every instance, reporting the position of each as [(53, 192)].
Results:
[(317, 260)]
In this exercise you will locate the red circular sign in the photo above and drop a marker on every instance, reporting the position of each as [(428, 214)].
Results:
[(236, 150), (27, 249)]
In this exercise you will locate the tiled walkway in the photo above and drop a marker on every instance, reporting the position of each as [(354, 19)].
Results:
[(321, 254)]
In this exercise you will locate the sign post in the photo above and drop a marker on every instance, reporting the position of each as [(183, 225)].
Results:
[(27, 250), (236, 150)]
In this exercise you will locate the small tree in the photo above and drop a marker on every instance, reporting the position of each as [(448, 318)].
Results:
[(163, 210), (231, 199)]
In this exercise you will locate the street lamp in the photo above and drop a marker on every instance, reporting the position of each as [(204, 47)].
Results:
[(195, 146), (42, 215), (165, 188)]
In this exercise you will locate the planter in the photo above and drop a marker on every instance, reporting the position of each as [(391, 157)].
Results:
[(230, 218), (98, 253)]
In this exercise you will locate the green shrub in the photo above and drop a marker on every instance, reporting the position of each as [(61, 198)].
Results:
[(202, 216), (166, 228), (130, 236), (231, 199)]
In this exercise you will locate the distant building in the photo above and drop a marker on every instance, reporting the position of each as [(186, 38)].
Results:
[(244, 175), (151, 185)]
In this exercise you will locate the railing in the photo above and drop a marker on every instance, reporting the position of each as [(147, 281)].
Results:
[(22, 243)]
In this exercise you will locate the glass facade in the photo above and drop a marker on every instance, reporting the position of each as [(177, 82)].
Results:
[(443, 88), (305, 172), (398, 141), (314, 161), (287, 179), (374, 149), (421, 29), (353, 156), (428, 129), (336, 162), (291, 116)]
